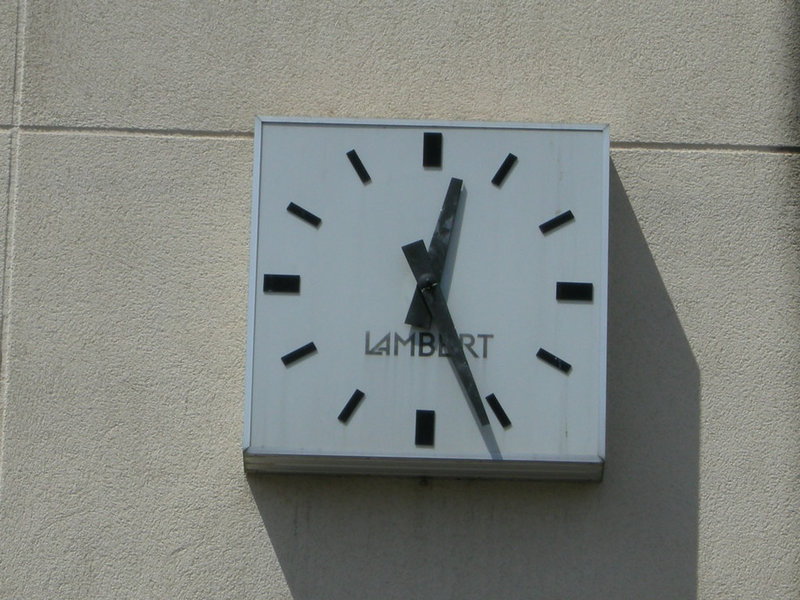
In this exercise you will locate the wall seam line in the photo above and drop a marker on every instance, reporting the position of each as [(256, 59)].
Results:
[(248, 135), (705, 147), (134, 131), (8, 250)]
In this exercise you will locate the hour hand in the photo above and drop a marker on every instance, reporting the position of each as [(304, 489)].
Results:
[(428, 285), (418, 314)]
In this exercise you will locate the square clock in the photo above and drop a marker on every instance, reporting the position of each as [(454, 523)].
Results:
[(428, 298)]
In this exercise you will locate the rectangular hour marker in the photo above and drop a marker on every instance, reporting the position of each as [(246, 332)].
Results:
[(500, 176), (426, 423), (281, 284), (302, 213), (432, 149), (498, 411), (351, 406), (553, 360), (573, 290), (359, 167), (557, 221), (296, 355)]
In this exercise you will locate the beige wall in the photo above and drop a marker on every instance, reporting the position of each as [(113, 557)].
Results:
[(125, 167)]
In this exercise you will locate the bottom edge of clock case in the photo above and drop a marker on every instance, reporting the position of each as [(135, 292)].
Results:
[(588, 469)]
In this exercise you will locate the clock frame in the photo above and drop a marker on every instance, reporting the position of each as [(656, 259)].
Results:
[(337, 382)]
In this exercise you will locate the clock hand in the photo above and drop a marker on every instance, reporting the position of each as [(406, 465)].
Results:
[(418, 313), (428, 284)]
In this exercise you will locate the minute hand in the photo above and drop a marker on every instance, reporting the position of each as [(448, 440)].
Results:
[(428, 285)]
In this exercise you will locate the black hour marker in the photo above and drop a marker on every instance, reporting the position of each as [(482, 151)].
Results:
[(359, 167), (501, 415), (500, 176), (302, 213), (573, 290), (431, 149), (553, 360), (426, 423), (558, 221), (296, 355), (281, 284), (351, 406)]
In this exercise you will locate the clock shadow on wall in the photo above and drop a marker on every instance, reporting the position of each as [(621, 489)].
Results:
[(632, 535)]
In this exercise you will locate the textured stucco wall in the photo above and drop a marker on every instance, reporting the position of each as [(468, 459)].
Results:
[(125, 174)]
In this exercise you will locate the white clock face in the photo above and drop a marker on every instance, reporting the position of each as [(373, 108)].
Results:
[(339, 382)]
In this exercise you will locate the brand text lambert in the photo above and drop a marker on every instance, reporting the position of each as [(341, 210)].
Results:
[(423, 343)]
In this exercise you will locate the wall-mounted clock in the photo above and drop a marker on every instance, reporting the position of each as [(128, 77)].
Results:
[(428, 298)]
